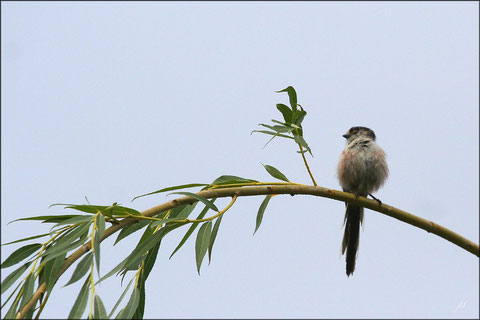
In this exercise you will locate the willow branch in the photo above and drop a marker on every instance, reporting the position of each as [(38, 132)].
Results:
[(306, 164), (293, 189)]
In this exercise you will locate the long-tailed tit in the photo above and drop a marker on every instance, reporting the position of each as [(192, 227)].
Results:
[(362, 169)]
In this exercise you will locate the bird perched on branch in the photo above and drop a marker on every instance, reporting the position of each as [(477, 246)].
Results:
[(362, 169)]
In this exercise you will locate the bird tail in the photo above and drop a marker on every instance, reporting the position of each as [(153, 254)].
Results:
[(351, 237)]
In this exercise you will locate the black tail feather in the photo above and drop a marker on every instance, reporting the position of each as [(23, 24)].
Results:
[(351, 237)]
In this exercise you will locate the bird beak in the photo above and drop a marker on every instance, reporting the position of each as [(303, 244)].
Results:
[(346, 135)]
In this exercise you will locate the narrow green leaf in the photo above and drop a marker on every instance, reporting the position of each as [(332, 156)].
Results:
[(58, 219), (147, 234), (182, 212), (81, 269), (81, 302), (67, 241), (113, 271), (286, 112), (134, 264), (125, 232), (28, 289), (48, 218), (129, 310), (65, 235), (272, 133), (154, 224), (141, 303), (88, 208), (292, 96), (183, 186), (303, 143), (41, 274), (96, 241), (21, 254), (100, 226), (274, 172), (26, 239), (283, 124), (299, 116), (99, 311), (266, 126), (120, 211), (185, 213), (199, 198), (63, 250), (120, 299), (282, 128), (96, 251), (190, 230), (226, 179), (5, 301), (279, 129), (202, 243), (172, 226), (12, 311), (213, 236), (150, 260), (73, 233), (75, 220), (273, 137), (146, 245), (142, 280), (52, 269), (139, 251), (261, 210), (173, 215)]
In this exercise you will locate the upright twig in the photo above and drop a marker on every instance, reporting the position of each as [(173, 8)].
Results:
[(306, 164)]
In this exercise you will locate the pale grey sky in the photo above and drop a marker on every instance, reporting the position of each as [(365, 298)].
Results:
[(110, 100)]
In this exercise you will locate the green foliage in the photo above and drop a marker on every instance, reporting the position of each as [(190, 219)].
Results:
[(129, 310), (291, 127), (90, 224), (261, 211), (12, 277), (274, 172), (48, 219), (227, 180), (124, 293), (190, 230), (183, 186), (80, 302), (213, 236), (21, 254), (52, 269), (28, 288), (125, 232), (81, 269), (292, 96), (99, 308), (202, 243), (199, 198)]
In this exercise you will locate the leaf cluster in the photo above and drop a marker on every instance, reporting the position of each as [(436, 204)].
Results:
[(291, 127), (44, 262), (71, 231)]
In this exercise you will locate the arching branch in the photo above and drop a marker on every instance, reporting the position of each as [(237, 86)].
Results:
[(291, 189)]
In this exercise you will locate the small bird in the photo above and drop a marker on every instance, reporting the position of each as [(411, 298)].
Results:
[(362, 169)]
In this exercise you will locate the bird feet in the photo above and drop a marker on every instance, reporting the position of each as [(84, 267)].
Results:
[(378, 200)]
